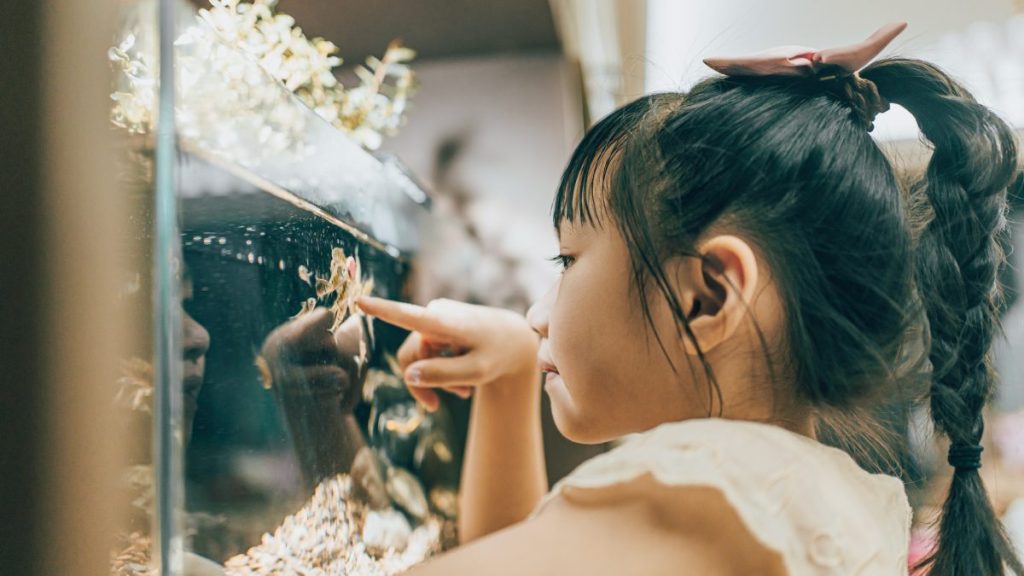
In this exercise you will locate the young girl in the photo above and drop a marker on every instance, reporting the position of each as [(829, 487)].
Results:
[(741, 267)]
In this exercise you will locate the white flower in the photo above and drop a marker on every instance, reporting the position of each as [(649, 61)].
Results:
[(224, 100)]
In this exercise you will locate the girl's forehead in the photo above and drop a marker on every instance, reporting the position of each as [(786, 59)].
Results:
[(576, 229)]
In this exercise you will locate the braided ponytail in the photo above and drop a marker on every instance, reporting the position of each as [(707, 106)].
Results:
[(957, 263)]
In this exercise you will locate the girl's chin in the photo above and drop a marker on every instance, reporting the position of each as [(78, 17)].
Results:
[(555, 388), (567, 416)]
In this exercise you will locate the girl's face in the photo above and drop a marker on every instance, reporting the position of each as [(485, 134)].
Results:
[(604, 371)]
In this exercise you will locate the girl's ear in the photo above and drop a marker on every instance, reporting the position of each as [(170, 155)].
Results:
[(717, 289)]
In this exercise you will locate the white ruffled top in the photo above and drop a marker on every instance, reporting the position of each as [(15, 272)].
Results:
[(810, 503)]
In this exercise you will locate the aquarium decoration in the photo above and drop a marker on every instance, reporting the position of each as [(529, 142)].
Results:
[(345, 283), (362, 541)]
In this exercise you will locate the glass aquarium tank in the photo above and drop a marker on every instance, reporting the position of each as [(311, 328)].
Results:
[(274, 434)]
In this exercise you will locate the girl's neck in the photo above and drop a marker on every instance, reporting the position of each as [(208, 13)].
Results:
[(797, 418), (802, 424), (759, 399)]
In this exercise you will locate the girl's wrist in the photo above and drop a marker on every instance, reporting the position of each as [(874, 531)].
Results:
[(523, 385)]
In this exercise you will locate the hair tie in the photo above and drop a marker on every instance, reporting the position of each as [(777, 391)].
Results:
[(965, 456), (861, 95)]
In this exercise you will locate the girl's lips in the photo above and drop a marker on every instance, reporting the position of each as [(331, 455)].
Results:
[(547, 366), (551, 379)]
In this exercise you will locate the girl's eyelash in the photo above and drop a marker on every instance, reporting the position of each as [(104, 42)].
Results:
[(562, 261)]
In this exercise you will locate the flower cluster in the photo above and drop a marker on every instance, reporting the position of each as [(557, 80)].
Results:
[(377, 107), (134, 95), (305, 66), (215, 77)]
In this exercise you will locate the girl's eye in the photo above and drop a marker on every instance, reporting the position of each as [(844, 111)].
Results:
[(563, 262)]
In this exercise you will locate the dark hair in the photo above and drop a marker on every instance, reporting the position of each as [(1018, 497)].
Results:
[(868, 271)]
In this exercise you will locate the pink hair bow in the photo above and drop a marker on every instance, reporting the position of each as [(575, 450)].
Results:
[(803, 61)]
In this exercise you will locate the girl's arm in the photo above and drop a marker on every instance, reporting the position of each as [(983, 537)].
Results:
[(495, 355), (503, 474)]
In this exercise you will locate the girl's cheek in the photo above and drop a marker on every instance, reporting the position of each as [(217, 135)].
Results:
[(562, 315), (562, 334)]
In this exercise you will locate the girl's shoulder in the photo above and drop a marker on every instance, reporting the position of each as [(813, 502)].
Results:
[(810, 503)]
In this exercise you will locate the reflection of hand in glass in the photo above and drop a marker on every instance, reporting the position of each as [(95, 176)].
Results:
[(318, 376), (306, 359)]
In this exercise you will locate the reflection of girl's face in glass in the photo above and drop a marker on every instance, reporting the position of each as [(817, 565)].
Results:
[(195, 344)]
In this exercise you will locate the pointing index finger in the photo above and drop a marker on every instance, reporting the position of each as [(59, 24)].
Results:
[(408, 316)]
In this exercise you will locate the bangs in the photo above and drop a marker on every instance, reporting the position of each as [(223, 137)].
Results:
[(583, 193), (587, 181)]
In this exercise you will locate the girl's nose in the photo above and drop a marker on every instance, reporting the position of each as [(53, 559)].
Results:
[(197, 339), (539, 313)]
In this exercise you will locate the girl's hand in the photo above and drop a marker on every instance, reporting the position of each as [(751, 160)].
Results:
[(457, 347)]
